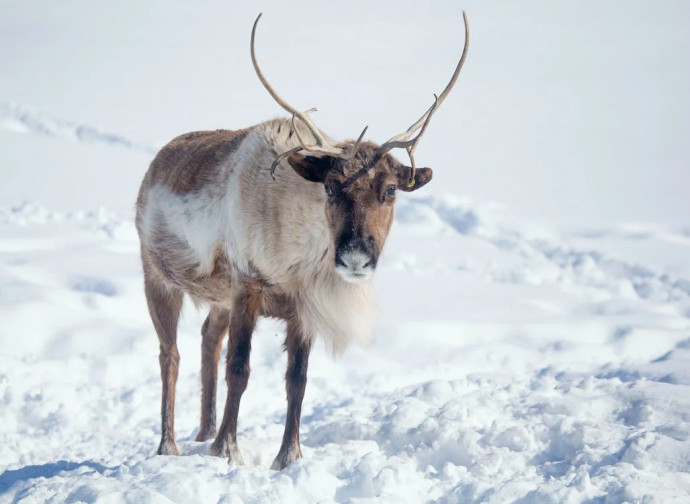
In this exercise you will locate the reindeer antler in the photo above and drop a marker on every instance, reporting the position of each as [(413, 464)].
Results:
[(403, 140), (322, 145)]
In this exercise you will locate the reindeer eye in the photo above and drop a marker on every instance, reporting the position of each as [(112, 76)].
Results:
[(329, 191), (390, 190)]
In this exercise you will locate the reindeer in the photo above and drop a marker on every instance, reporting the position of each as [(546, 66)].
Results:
[(273, 220)]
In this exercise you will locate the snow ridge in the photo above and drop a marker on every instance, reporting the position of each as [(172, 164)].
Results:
[(14, 117)]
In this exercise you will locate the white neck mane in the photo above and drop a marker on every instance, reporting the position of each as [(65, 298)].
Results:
[(296, 250)]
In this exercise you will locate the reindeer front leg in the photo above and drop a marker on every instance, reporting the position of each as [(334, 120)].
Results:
[(245, 311), (298, 347)]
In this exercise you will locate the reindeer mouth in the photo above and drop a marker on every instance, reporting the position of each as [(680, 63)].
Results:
[(354, 277), (354, 266)]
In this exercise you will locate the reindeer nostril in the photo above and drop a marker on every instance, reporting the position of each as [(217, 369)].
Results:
[(369, 264), (340, 262)]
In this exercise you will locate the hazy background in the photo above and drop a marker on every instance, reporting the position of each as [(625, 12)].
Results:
[(576, 115)]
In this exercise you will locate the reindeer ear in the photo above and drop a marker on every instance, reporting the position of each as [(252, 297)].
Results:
[(421, 177), (313, 169)]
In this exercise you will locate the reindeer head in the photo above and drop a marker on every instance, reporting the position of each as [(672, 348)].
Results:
[(360, 178), (359, 208)]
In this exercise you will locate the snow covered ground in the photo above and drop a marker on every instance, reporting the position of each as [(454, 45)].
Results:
[(504, 367), (516, 358)]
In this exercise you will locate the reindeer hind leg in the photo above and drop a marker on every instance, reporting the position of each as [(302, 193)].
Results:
[(214, 329), (164, 307)]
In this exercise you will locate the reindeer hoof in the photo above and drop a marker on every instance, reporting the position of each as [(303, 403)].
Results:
[(168, 447), (286, 457), (205, 435), (235, 459), (229, 450)]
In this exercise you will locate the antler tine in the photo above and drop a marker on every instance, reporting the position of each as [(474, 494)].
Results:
[(353, 152), (322, 145), (299, 137), (410, 145), (282, 156), (413, 146)]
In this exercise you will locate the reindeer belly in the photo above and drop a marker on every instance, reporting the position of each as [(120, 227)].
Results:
[(177, 268), (215, 282)]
